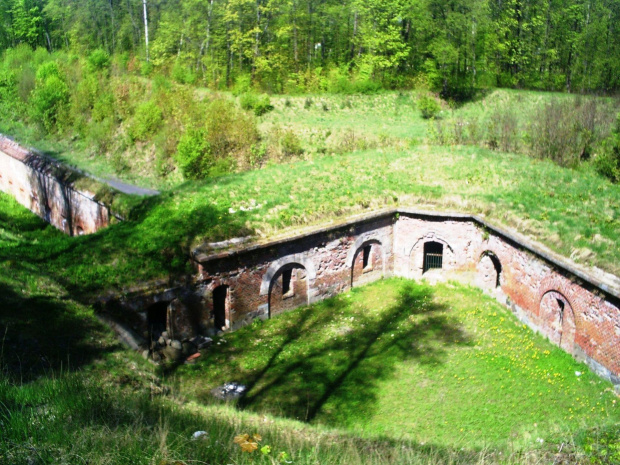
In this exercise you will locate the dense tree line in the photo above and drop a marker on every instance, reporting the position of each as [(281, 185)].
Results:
[(453, 46)]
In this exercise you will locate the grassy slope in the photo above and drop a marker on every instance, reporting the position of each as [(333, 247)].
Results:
[(70, 394), (574, 213)]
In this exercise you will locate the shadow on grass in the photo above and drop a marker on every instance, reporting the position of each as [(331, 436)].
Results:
[(41, 335), (334, 375)]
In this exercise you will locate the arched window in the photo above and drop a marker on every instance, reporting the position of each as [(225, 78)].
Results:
[(433, 256)]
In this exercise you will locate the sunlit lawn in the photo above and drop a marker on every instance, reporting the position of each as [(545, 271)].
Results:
[(442, 365)]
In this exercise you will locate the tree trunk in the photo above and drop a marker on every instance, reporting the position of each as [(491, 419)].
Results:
[(146, 30)]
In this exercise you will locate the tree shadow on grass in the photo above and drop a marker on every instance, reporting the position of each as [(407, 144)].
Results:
[(334, 375), (42, 334)]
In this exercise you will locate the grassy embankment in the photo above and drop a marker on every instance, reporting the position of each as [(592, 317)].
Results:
[(574, 213), (70, 394)]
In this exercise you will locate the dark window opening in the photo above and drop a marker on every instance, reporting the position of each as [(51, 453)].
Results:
[(220, 295), (287, 288), (433, 256), (157, 319), (367, 264)]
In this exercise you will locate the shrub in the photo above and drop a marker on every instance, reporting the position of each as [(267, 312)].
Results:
[(290, 143), (50, 95), (428, 106), (146, 121), (231, 131), (194, 156), (259, 104), (98, 60), (607, 162)]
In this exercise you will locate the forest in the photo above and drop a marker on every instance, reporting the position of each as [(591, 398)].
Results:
[(452, 47)]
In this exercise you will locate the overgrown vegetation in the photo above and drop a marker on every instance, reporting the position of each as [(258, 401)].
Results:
[(564, 129)]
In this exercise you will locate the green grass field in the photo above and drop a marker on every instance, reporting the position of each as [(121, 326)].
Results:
[(442, 365)]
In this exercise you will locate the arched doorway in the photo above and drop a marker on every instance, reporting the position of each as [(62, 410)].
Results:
[(489, 270)]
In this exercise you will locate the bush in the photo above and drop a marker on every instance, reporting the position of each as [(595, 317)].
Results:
[(50, 95), (290, 143), (98, 60), (194, 156), (259, 104), (146, 121), (230, 131), (428, 106), (607, 162)]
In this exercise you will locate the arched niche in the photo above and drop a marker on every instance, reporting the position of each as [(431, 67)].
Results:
[(489, 270), (289, 288), (367, 262), (558, 319)]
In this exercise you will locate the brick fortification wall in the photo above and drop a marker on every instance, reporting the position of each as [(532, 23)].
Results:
[(44, 188), (577, 313)]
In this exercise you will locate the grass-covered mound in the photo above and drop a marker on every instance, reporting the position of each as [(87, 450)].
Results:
[(574, 213), (442, 365)]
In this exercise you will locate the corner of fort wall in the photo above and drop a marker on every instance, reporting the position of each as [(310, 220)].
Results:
[(43, 186)]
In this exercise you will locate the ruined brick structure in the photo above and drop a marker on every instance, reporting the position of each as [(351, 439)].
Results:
[(45, 188), (575, 311)]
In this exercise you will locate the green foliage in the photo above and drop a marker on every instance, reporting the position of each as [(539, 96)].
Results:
[(182, 74), (290, 143), (428, 106), (259, 104), (601, 445), (50, 95), (193, 155), (607, 161), (147, 119), (98, 60), (231, 131)]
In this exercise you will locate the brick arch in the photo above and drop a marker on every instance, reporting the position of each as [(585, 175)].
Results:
[(285, 291), (358, 247), (289, 260), (489, 271), (561, 285), (558, 320), (360, 242), (430, 236)]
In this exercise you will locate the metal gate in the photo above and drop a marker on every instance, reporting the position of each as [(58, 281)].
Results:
[(433, 256), (432, 260)]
